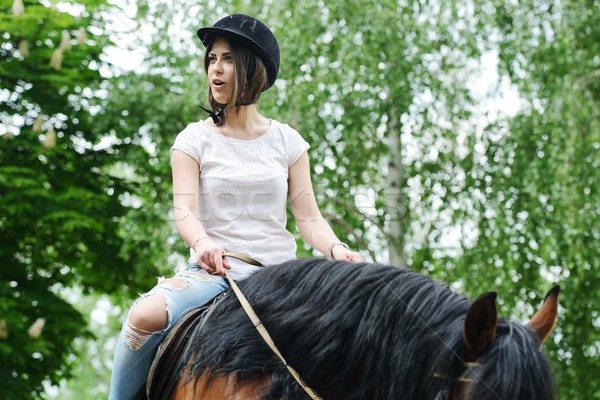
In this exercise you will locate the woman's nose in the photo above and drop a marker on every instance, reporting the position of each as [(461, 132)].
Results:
[(218, 65)]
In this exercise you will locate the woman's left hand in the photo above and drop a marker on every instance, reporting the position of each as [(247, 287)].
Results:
[(341, 253)]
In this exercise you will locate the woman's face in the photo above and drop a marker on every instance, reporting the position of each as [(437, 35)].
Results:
[(221, 71)]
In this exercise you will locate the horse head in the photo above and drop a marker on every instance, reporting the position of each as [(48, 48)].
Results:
[(494, 345)]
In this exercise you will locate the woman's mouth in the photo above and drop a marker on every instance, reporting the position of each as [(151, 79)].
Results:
[(217, 83)]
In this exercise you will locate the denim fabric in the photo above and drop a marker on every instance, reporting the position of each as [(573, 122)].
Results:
[(131, 367)]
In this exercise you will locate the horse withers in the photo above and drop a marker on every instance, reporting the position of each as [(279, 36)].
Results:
[(359, 331)]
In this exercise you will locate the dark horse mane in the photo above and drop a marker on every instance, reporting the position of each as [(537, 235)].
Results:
[(362, 331)]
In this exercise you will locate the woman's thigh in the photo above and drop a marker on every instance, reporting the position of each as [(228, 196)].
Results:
[(161, 307), (186, 290)]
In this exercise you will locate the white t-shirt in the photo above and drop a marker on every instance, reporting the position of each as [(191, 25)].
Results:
[(243, 191)]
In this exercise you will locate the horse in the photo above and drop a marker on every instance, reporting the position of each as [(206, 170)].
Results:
[(359, 331)]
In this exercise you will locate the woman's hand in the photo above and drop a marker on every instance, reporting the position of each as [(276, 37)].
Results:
[(210, 257), (341, 253)]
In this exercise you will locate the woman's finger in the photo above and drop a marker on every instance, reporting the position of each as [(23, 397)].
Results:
[(218, 263), (206, 267), (226, 264), (356, 257)]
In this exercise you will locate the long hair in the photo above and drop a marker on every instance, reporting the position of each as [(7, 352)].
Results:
[(250, 78), (361, 331)]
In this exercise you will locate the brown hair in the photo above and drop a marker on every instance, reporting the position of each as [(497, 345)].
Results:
[(250, 78)]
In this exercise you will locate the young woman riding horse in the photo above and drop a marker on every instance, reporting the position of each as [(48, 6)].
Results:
[(232, 176)]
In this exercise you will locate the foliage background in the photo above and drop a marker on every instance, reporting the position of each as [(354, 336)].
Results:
[(459, 138)]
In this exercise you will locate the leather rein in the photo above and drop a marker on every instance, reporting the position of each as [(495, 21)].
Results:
[(259, 325)]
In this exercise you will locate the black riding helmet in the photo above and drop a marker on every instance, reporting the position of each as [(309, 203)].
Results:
[(250, 31)]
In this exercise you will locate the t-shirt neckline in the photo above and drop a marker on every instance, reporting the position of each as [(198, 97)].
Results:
[(228, 138)]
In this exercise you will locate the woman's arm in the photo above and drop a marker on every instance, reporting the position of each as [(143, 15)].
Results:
[(186, 211), (313, 227)]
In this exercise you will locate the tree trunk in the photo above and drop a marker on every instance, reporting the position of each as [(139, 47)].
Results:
[(396, 209)]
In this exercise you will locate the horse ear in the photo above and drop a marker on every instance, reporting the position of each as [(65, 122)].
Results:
[(544, 321), (480, 325)]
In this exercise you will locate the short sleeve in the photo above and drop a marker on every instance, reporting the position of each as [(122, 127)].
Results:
[(188, 141), (295, 145)]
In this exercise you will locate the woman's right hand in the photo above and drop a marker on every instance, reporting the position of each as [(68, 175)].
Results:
[(210, 257)]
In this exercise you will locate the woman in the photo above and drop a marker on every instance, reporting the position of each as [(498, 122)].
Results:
[(232, 176)]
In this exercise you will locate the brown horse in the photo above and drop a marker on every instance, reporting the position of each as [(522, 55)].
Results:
[(358, 331)]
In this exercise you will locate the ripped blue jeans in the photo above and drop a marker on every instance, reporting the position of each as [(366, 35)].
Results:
[(136, 348)]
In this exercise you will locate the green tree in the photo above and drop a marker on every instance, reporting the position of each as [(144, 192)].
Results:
[(540, 218), (61, 202), (92, 375)]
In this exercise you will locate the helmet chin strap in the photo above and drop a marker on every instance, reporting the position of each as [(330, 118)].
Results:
[(216, 115)]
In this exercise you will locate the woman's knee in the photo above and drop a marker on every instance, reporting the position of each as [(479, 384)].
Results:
[(147, 316), (150, 314)]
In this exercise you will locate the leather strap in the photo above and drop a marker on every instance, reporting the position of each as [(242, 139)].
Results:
[(244, 258), (259, 325)]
